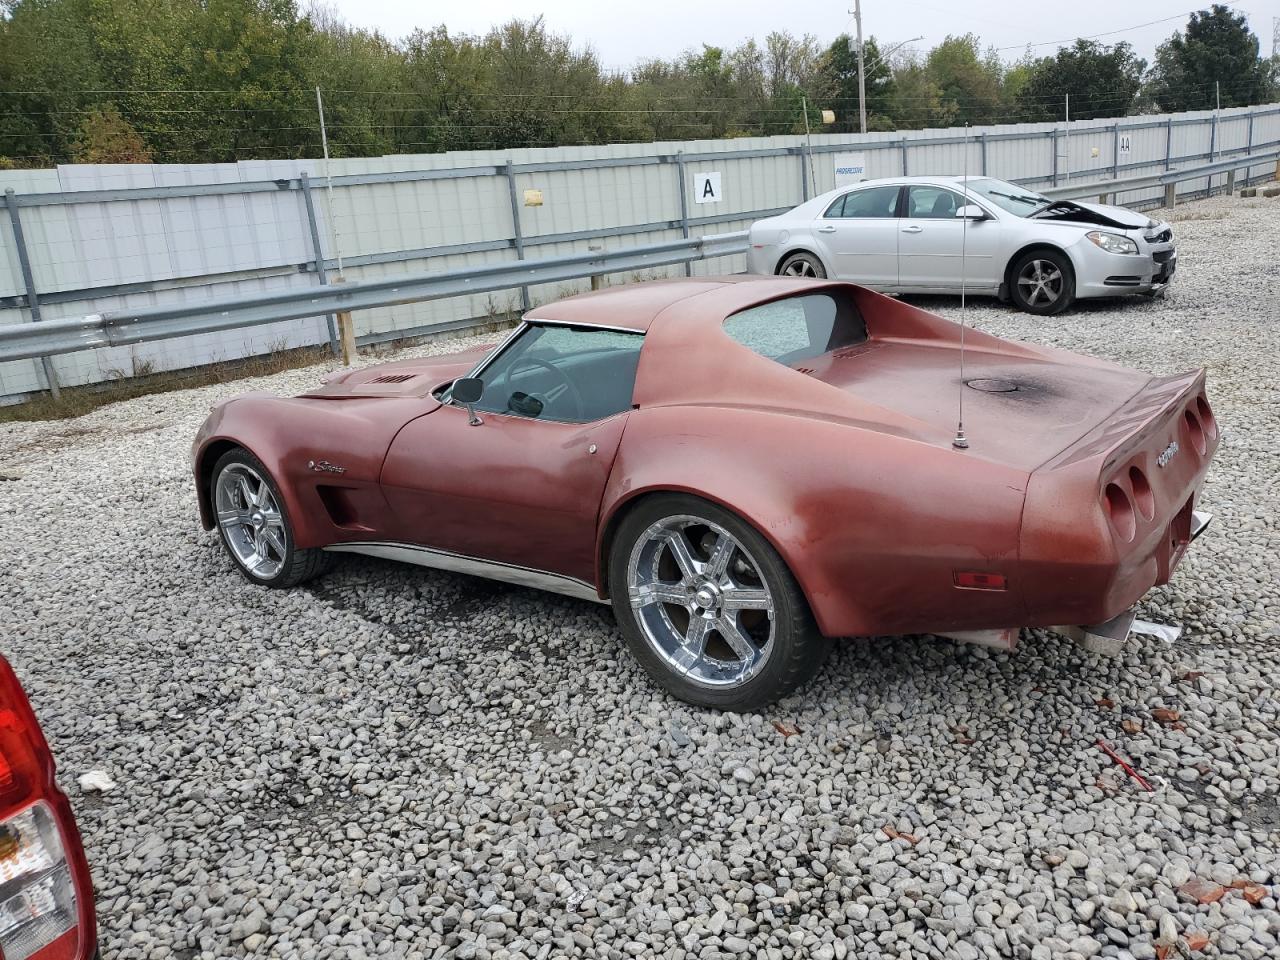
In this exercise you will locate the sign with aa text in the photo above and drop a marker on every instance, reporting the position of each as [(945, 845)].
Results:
[(850, 168), (706, 187)]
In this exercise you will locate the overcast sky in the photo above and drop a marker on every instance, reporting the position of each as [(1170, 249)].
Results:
[(622, 33)]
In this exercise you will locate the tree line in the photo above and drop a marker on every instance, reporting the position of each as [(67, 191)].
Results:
[(193, 81)]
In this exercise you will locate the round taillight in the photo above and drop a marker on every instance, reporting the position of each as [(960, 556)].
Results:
[(1142, 495), (1195, 432), (1206, 416), (1120, 511)]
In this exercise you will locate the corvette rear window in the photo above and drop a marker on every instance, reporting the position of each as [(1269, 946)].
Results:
[(798, 328)]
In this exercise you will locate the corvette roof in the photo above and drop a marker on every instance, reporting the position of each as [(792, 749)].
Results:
[(635, 305)]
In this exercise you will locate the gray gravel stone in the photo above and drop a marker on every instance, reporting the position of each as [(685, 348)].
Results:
[(398, 763)]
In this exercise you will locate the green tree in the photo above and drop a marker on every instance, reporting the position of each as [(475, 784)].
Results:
[(837, 85), (967, 80), (1217, 47), (1101, 81), (107, 137)]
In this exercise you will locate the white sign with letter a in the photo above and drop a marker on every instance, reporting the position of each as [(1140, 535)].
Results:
[(706, 188)]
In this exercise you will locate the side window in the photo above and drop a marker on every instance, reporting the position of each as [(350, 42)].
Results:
[(566, 374), (795, 329), (879, 202), (932, 203)]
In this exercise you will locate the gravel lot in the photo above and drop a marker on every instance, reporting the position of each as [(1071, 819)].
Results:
[(396, 762)]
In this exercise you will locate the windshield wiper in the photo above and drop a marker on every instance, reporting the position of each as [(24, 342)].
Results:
[(1020, 197)]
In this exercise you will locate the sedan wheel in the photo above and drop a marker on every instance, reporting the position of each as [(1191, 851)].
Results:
[(1043, 282), (802, 265), (708, 607), (254, 526)]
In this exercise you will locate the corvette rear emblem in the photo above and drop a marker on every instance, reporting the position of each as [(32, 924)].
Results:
[(324, 466), (1167, 454)]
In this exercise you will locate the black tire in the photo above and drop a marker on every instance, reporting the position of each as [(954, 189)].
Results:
[(295, 566), (796, 650), (1030, 297), (802, 264)]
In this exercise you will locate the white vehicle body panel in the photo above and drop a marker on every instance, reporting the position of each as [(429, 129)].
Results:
[(918, 249)]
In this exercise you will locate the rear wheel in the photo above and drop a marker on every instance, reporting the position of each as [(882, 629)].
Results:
[(1042, 282), (254, 525), (708, 607), (802, 265)]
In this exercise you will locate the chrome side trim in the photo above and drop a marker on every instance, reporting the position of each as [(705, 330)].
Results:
[(457, 563)]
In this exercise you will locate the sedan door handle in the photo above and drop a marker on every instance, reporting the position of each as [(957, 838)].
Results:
[(826, 229), (912, 229)]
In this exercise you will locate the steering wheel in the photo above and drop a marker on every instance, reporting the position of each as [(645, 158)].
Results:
[(579, 406)]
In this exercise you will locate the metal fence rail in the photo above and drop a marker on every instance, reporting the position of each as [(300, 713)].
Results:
[(23, 341)]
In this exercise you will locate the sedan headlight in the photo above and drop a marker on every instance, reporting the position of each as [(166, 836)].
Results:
[(1112, 242)]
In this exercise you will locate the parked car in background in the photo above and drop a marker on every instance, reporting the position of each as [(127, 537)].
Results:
[(906, 235), (46, 894), (741, 466)]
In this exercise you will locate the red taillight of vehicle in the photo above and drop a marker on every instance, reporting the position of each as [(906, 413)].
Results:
[(1195, 432), (1120, 511), (1206, 416), (976, 580), (1142, 495), (40, 856)]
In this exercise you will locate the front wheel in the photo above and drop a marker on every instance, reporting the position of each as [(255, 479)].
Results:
[(802, 265), (708, 607), (1042, 282), (254, 525)]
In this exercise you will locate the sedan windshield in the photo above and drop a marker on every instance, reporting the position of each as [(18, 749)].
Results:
[(1009, 196)]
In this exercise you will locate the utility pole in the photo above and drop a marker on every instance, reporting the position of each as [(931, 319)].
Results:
[(862, 70)]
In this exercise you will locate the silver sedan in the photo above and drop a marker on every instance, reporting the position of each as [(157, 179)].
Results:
[(907, 235)]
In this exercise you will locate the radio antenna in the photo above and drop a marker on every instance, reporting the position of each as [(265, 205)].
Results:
[(961, 442)]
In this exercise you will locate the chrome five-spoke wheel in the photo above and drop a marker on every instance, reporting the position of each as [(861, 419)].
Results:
[(802, 265), (251, 522), (707, 605), (700, 600), (1042, 282)]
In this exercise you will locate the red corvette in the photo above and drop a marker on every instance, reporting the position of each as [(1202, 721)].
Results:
[(46, 895), (743, 467)]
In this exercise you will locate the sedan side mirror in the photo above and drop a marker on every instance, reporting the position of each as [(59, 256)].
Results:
[(971, 211), (466, 391)]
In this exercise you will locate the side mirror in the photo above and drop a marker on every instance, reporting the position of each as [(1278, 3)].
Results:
[(466, 391), (971, 211)]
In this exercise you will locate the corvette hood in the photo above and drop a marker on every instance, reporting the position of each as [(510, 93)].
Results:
[(1094, 214), (416, 377)]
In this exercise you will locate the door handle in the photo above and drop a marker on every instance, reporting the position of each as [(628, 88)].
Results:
[(826, 229), (912, 229)]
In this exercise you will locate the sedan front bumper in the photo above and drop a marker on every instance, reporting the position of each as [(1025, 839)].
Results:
[(1103, 274)]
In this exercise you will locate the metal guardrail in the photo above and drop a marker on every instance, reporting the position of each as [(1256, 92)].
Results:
[(26, 340), (1166, 179)]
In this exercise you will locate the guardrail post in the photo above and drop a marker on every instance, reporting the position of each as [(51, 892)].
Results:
[(1231, 183), (1171, 194), (515, 223), (684, 209), (1213, 145), (29, 286), (597, 279), (318, 255), (1168, 143)]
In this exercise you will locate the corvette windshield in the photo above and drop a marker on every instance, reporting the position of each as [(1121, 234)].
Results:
[(798, 328), (1009, 196)]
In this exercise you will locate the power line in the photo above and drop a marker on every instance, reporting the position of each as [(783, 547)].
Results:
[(1095, 36)]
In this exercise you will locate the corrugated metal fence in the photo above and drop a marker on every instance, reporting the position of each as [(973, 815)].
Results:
[(102, 238)]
